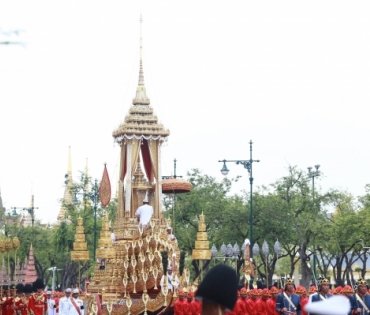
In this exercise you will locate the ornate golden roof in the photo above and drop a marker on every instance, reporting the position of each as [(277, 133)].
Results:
[(140, 122)]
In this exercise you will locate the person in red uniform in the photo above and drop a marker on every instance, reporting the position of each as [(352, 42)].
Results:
[(240, 305), (251, 302), (196, 306), (301, 291), (6, 301), (271, 302), (347, 291), (21, 303), (179, 304), (261, 305), (218, 290), (38, 299), (337, 290), (188, 307), (11, 300), (18, 298)]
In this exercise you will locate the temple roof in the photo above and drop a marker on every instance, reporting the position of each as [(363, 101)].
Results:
[(140, 122)]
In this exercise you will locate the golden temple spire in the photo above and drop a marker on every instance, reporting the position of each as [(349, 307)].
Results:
[(87, 188), (141, 98), (141, 71), (67, 197), (69, 170)]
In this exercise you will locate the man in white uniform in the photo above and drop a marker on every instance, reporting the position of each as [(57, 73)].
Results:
[(50, 304), (64, 302), (144, 212), (76, 305), (172, 282)]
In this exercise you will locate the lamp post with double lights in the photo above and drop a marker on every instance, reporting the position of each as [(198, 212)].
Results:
[(94, 197), (312, 174), (248, 164)]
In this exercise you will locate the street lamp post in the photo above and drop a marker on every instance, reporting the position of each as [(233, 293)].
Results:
[(248, 165), (30, 210), (312, 174), (53, 269), (94, 197)]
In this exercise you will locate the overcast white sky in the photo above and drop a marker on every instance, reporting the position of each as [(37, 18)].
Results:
[(293, 76)]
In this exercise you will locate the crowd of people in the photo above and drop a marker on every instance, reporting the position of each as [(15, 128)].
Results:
[(217, 298), (32, 299)]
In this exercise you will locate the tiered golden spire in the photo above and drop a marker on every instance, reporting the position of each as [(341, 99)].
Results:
[(105, 247), (202, 250), (80, 252)]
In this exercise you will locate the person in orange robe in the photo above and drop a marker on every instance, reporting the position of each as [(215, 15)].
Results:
[(179, 304), (38, 300), (251, 302)]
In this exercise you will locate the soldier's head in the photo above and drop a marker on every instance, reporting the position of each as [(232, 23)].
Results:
[(39, 285), (169, 270), (301, 291), (336, 305), (68, 292), (75, 293), (347, 291), (362, 286), (218, 290), (190, 296), (266, 294), (243, 293), (289, 285), (48, 294), (20, 288), (28, 289), (181, 295), (324, 286), (274, 292)]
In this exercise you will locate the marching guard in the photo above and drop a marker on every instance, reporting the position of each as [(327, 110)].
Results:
[(64, 302), (51, 304), (22, 304), (37, 301), (288, 302), (323, 292), (77, 305), (360, 301)]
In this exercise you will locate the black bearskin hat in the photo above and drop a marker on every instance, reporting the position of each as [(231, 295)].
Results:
[(20, 287), (38, 284), (28, 288), (220, 285)]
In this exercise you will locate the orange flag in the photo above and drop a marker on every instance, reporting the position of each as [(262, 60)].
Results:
[(105, 189)]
